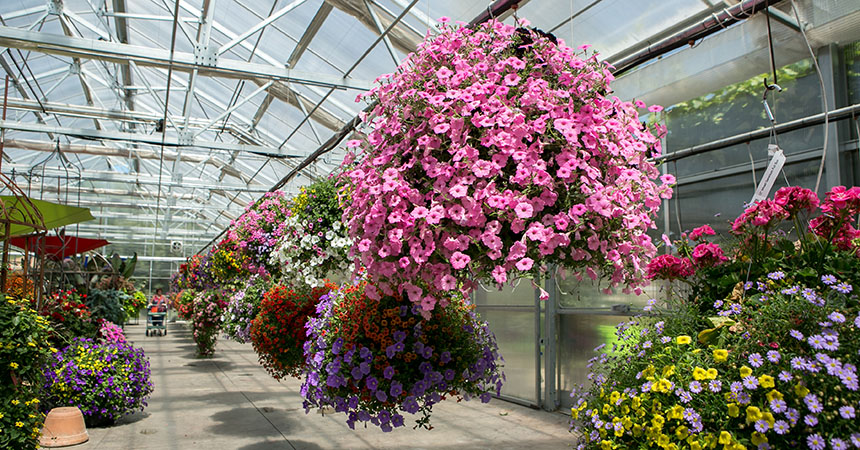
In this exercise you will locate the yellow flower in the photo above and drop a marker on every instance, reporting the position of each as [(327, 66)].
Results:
[(766, 381), (1, 415), (745, 371), (668, 371), (725, 438), (711, 374), (15, 402), (681, 432), (13, 365), (721, 355), (753, 413), (19, 424), (774, 394), (699, 374), (606, 445), (694, 445), (683, 340), (801, 390), (733, 409), (663, 440)]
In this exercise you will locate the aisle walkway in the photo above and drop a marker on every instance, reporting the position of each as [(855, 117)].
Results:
[(229, 402)]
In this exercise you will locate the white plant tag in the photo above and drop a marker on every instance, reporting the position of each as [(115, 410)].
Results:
[(770, 175)]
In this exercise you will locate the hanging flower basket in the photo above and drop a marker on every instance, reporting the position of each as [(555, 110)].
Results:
[(494, 153), (314, 246), (243, 307), (256, 232), (206, 311), (278, 331), (376, 359)]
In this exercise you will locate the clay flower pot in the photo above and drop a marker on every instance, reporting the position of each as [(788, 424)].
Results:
[(64, 426)]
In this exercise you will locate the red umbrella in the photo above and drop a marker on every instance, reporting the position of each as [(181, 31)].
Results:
[(59, 247)]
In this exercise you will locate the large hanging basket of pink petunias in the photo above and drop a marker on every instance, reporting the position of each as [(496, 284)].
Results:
[(494, 153)]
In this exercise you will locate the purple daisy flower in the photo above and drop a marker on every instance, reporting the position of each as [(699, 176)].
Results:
[(815, 442), (755, 360)]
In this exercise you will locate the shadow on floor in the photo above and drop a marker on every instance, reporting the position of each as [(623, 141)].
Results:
[(209, 365), (137, 416), (246, 421), (292, 444)]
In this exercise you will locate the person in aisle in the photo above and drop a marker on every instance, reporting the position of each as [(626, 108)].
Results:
[(159, 301)]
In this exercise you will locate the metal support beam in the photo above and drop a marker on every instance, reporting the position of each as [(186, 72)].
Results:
[(309, 34), (122, 153), (182, 61), (259, 26), (380, 30), (121, 25), (68, 29), (105, 176), (204, 30), (145, 138), (236, 106)]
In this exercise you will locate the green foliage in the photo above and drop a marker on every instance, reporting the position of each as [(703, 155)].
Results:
[(24, 348), (108, 305), (20, 418)]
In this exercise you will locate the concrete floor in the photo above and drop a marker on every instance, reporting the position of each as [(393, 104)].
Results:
[(230, 402)]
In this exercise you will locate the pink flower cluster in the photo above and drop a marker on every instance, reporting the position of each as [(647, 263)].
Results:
[(111, 333), (764, 214), (840, 205), (704, 230), (708, 254), (670, 267), (258, 229), (795, 199), (492, 154)]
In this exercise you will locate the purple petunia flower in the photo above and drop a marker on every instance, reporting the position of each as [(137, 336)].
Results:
[(778, 275), (695, 387), (715, 385), (828, 279), (762, 426), (796, 334), (847, 412), (810, 420)]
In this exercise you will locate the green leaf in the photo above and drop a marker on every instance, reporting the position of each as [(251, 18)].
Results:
[(719, 321), (709, 335), (807, 272), (728, 280), (16, 320)]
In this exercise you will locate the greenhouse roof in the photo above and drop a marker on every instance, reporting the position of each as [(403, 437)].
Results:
[(167, 117)]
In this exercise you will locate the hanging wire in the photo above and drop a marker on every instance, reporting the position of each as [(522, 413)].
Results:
[(752, 166)]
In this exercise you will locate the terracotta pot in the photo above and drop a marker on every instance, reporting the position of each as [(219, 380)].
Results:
[(64, 426)]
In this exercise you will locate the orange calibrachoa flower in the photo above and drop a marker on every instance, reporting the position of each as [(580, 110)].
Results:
[(378, 358), (278, 332)]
